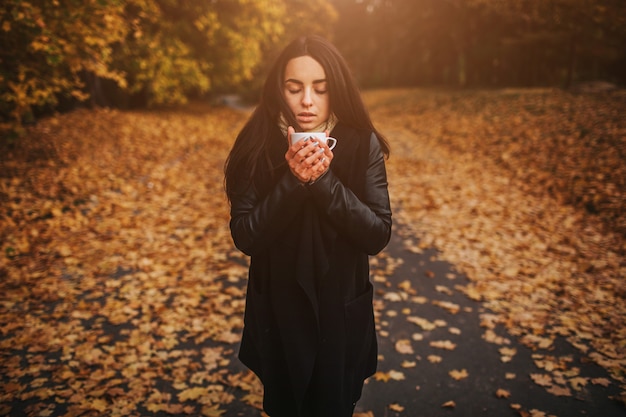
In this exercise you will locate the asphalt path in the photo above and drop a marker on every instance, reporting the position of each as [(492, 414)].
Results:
[(420, 383), (427, 386)]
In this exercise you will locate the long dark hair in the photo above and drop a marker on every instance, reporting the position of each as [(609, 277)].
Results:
[(250, 156)]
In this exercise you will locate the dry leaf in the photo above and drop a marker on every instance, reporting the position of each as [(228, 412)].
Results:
[(578, 383), (396, 407), (458, 375), (542, 379), (449, 404), (559, 391), (601, 381), (382, 376), (443, 344), (454, 330), (396, 375), (421, 322), (502, 393), (434, 358), (404, 347)]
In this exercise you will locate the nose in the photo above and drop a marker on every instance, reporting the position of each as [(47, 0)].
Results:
[(306, 98)]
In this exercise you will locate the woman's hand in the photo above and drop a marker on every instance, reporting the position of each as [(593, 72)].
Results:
[(308, 159)]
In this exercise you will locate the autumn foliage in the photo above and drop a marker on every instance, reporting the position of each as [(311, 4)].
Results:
[(121, 291), (58, 54), (140, 53)]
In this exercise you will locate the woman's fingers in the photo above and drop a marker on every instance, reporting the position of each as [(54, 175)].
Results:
[(308, 159), (322, 162)]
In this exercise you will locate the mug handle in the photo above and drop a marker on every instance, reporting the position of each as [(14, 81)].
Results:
[(333, 140)]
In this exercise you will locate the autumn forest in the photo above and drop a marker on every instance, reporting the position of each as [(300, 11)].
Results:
[(138, 53), (121, 293)]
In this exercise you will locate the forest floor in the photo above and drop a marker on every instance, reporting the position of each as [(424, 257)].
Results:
[(502, 290)]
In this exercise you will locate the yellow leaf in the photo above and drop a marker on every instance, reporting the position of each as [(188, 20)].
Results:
[(578, 382), (434, 359), (454, 330), (396, 375), (381, 376), (423, 323), (98, 404), (396, 407), (255, 400), (449, 404), (408, 364), (542, 379), (502, 393), (559, 391), (505, 351), (458, 375), (601, 381), (404, 347), (212, 411), (192, 393), (443, 344)]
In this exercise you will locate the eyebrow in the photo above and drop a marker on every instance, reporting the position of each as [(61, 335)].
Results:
[(291, 80)]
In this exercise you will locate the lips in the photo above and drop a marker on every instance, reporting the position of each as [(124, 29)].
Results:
[(306, 117)]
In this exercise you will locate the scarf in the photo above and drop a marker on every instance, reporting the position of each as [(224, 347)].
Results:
[(328, 125)]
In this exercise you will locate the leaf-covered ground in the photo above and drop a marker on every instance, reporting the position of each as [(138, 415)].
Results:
[(121, 292), (487, 177)]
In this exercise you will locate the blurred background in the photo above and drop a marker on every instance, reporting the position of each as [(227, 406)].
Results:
[(56, 55)]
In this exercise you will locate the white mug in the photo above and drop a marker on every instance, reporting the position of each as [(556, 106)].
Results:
[(321, 136)]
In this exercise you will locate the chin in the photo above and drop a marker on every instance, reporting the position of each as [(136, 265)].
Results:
[(308, 126)]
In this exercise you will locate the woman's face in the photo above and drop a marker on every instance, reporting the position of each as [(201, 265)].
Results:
[(305, 90)]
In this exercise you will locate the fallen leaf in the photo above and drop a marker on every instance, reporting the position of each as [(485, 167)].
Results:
[(396, 375), (544, 380), (458, 375), (578, 383), (443, 344), (192, 393), (403, 346), (382, 376), (396, 407), (502, 393), (449, 404), (408, 364), (421, 322), (212, 411), (559, 391), (454, 330), (601, 381)]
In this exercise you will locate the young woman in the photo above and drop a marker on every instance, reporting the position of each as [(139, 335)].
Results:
[(308, 217)]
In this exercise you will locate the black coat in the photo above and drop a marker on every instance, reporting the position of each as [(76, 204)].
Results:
[(309, 324)]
